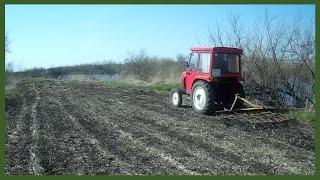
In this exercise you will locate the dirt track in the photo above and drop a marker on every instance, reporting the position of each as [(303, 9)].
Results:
[(70, 128)]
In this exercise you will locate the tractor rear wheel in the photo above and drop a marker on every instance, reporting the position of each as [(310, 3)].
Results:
[(203, 98), (176, 97)]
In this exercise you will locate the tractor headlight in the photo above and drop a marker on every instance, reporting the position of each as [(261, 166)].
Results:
[(216, 72)]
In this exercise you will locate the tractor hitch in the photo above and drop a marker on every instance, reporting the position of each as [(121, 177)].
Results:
[(252, 105)]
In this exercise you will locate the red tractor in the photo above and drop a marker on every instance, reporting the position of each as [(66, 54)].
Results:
[(213, 79)]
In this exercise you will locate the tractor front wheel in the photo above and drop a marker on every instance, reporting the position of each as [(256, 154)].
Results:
[(203, 98), (176, 97)]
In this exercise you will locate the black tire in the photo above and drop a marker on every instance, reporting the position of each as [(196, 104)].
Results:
[(178, 101), (240, 90), (210, 105)]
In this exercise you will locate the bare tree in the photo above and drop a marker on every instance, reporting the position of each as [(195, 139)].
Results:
[(216, 36), (279, 58), (236, 31)]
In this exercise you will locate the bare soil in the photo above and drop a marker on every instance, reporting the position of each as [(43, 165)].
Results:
[(73, 128)]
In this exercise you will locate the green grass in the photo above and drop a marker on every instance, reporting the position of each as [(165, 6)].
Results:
[(114, 85), (13, 93), (125, 85), (164, 86), (34, 80), (16, 91), (153, 87), (302, 115)]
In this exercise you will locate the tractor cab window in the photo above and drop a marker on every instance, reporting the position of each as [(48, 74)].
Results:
[(227, 62), (193, 61), (204, 62)]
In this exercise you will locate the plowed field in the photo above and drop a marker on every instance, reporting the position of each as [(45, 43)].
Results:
[(73, 128)]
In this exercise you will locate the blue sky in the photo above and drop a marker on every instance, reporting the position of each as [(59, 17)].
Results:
[(54, 35)]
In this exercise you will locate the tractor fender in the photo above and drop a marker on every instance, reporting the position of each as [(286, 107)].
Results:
[(196, 80), (204, 78), (183, 80)]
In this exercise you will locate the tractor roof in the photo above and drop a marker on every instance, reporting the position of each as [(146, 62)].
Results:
[(218, 49)]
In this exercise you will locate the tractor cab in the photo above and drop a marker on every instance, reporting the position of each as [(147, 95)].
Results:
[(218, 64)]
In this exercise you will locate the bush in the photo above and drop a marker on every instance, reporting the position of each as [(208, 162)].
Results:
[(153, 69)]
